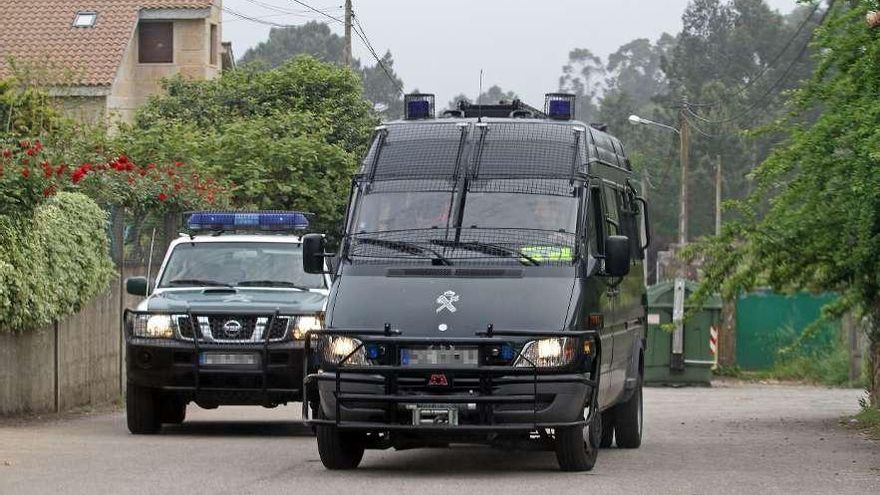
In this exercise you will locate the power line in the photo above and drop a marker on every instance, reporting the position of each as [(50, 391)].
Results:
[(283, 10), (318, 11), (363, 36), (762, 99), (256, 20), (779, 55)]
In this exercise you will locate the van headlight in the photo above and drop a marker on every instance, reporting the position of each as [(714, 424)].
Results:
[(547, 353), (153, 326), (335, 348)]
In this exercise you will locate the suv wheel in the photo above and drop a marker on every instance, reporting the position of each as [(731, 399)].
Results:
[(578, 446), (628, 420), (339, 449), (173, 410), (142, 410)]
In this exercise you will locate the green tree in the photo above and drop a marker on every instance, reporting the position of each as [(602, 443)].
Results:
[(289, 137), (492, 96), (583, 76), (813, 219), (381, 84)]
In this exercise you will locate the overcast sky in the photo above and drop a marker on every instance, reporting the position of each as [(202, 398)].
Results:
[(439, 46)]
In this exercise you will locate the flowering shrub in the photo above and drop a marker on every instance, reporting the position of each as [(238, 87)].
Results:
[(28, 176), (52, 262)]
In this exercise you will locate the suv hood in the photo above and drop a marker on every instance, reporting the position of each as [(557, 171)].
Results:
[(423, 307), (251, 300)]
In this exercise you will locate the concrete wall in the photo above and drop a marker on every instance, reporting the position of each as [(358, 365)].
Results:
[(77, 362), (136, 82), (89, 109)]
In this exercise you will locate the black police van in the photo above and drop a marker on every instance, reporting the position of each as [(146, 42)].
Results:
[(488, 289), (225, 321)]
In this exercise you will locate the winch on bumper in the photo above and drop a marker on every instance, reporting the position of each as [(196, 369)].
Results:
[(483, 384), (261, 364)]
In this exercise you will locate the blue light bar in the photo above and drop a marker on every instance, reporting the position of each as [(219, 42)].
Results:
[(418, 106), (559, 106), (247, 221)]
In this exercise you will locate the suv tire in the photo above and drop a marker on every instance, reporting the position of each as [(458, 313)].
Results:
[(577, 447), (628, 420), (172, 410), (142, 410), (339, 450)]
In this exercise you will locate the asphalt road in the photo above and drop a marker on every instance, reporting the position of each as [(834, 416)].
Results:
[(726, 439)]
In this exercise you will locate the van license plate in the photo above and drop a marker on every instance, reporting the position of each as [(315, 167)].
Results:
[(434, 414), (445, 356), (235, 359)]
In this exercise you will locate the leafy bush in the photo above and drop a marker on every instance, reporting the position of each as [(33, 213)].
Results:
[(52, 262)]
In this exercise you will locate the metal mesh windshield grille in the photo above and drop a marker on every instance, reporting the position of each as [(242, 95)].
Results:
[(476, 245), (414, 151), (550, 187), (528, 149)]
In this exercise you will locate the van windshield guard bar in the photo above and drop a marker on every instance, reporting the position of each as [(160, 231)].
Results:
[(530, 247), (390, 369)]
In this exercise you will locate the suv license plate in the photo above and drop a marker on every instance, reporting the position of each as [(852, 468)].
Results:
[(235, 359), (434, 414)]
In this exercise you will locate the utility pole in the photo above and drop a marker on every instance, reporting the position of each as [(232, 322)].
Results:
[(677, 361), (718, 197), (683, 158), (346, 49)]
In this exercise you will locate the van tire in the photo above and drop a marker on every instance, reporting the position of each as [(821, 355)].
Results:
[(607, 430), (577, 447), (173, 410), (629, 420), (339, 450), (142, 410)]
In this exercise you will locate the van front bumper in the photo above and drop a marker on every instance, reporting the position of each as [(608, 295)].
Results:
[(485, 398)]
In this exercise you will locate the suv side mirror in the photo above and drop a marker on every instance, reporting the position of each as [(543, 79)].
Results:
[(617, 255), (313, 253), (136, 286)]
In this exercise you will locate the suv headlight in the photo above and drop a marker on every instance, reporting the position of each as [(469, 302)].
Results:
[(336, 348), (303, 324), (153, 326), (547, 353)]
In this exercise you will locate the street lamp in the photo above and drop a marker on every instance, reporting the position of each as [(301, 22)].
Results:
[(677, 359), (683, 135)]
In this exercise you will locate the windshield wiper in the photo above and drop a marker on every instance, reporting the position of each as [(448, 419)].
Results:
[(195, 281), (405, 247), (272, 283), (487, 248)]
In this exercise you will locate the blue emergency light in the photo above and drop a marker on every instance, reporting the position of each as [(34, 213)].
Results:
[(418, 106), (254, 221), (559, 106)]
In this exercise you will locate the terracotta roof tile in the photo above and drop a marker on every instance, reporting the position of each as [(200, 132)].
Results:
[(41, 34)]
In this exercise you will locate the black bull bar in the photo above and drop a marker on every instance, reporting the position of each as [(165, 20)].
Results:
[(585, 372)]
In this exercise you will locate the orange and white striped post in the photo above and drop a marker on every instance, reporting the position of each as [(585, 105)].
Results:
[(713, 345)]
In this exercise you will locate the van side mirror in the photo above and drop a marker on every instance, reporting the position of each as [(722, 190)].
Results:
[(136, 286), (313, 253), (617, 255)]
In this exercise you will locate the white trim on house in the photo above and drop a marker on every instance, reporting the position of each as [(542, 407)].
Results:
[(174, 14), (55, 91)]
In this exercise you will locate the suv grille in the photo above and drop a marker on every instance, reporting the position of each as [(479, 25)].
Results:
[(226, 329)]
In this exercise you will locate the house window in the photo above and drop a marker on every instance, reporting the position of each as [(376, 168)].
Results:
[(215, 44), (156, 43), (85, 19)]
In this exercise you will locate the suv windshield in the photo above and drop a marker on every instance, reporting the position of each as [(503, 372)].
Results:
[(246, 264)]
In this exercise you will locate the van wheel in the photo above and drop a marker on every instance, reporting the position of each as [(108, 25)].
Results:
[(339, 449), (578, 446), (173, 410), (629, 420), (142, 410), (607, 430)]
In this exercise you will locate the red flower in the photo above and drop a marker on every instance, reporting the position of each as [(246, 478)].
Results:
[(7, 153), (38, 146), (24, 144), (25, 161), (48, 171), (178, 164), (60, 170), (162, 197), (31, 152), (49, 191), (25, 172)]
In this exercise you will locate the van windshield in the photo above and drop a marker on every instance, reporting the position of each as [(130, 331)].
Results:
[(393, 211), (520, 211)]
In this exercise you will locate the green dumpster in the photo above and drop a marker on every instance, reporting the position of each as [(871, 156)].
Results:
[(694, 365)]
